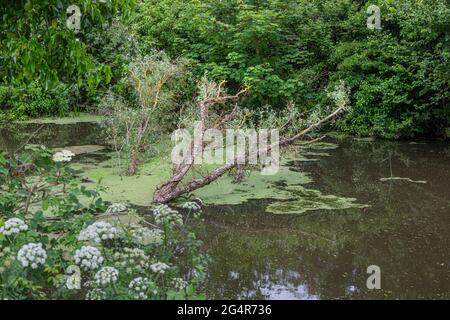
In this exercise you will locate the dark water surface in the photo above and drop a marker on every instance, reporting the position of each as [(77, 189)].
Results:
[(324, 254)]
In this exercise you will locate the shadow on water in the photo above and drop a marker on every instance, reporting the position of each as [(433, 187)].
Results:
[(322, 254)]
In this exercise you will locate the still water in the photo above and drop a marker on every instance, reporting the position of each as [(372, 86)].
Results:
[(324, 254)]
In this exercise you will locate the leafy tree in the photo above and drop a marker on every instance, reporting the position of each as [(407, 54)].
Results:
[(37, 45), (294, 50)]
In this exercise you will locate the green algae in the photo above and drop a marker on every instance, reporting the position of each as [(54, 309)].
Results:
[(135, 190), (254, 187), (286, 188), (320, 145), (311, 200)]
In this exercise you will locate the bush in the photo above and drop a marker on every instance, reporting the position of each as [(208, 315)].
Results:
[(292, 50), (34, 100)]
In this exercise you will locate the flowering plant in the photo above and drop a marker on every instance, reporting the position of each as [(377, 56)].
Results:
[(53, 245)]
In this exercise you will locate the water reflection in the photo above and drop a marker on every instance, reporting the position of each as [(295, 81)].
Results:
[(52, 135), (325, 255)]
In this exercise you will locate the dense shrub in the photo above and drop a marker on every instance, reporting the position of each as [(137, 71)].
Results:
[(292, 50), (33, 100)]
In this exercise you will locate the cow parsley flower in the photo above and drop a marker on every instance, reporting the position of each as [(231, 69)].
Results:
[(116, 208), (145, 236), (32, 255), (190, 205), (96, 294), (63, 156), (179, 284), (159, 267), (106, 275), (12, 226), (164, 214), (138, 287), (131, 260), (88, 258), (97, 232)]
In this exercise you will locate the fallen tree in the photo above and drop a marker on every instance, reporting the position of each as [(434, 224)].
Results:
[(213, 94)]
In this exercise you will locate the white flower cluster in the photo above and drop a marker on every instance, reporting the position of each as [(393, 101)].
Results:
[(179, 284), (139, 286), (159, 267), (96, 294), (116, 208), (88, 258), (13, 225), (32, 255), (97, 232), (131, 260), (145, 236), (106, 275), (164, 214), (63, 156), (190, 205)]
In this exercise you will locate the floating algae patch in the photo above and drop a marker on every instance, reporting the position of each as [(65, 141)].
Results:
[(310, 200), (316, 154), (135, 190), (253, 186), (319, 146), (286, 187)]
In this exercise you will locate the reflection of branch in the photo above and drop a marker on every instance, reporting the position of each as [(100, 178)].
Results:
[(29, 138), (276, 231)]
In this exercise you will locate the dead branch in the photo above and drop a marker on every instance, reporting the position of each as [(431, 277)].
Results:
[(172, 188)]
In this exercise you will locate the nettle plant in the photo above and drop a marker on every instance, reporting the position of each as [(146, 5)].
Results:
[(59, 240)]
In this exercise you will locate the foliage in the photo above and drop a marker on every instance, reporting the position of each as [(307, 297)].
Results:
[(33, 101), (399, 74), (51, 230), (292, 50), (132, 123), (37, 46)]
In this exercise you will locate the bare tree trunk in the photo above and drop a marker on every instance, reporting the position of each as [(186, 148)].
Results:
[(133, 161), (239, 174)]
